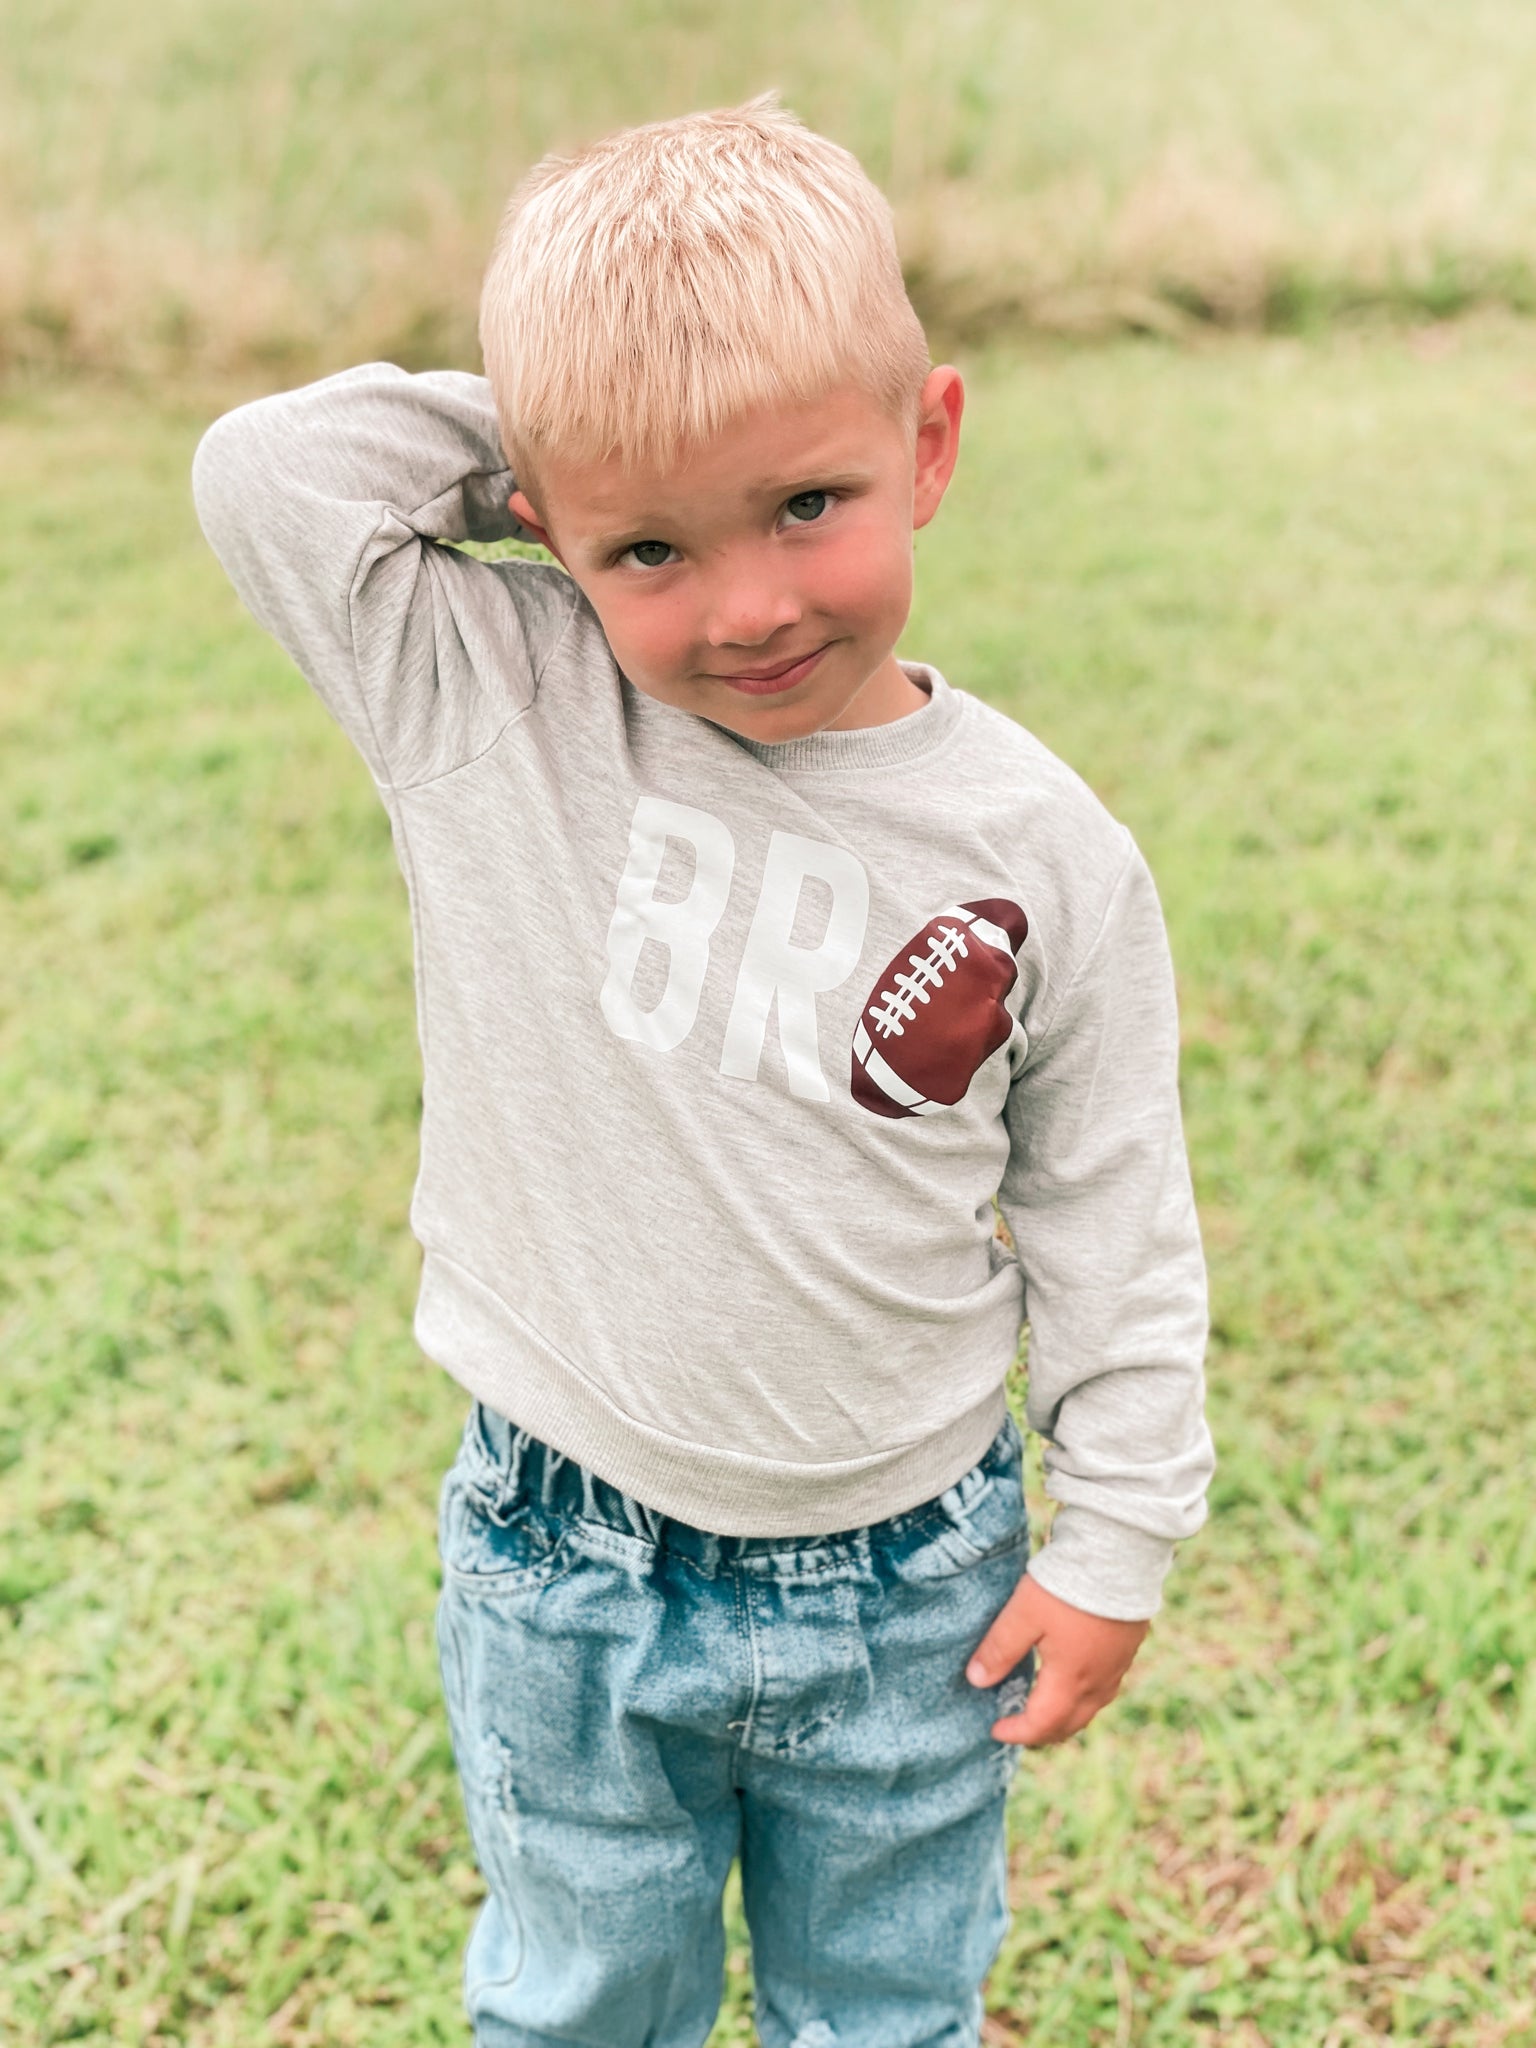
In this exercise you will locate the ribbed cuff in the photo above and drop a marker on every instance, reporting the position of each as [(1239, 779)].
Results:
[(1104, 1567), (486, 513)]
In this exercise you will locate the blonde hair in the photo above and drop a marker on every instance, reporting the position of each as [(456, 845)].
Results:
[(664, 280)]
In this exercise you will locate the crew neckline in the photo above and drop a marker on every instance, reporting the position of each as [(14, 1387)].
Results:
[(867, 746)]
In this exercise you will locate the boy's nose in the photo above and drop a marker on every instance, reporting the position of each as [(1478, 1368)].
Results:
[(748, 611)]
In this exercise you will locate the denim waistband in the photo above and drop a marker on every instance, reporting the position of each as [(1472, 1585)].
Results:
[(527, 1470)]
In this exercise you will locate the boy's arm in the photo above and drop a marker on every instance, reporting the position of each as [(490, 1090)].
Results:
[(323, 504), (1097, 1197)]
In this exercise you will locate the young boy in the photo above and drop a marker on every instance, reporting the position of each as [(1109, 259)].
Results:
[(752, 964)]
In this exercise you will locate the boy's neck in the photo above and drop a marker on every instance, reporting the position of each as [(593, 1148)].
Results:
[(889, 694)]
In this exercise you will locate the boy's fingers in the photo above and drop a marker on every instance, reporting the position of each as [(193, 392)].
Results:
[(1052, 1713), (1015, 1629)]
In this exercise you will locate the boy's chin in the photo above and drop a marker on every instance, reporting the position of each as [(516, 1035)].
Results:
[(821, 703), (772, 719), (792, 715)]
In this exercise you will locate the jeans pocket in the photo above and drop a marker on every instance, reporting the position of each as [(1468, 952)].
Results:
[(498, 1547), (985, 1510), (980, 1520)]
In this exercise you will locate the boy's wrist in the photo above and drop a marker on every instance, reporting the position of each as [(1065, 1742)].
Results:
[(1102, 1566)]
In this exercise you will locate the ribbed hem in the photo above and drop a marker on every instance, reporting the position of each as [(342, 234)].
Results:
[(488, 1348), (868, 746), (1104, 1567)]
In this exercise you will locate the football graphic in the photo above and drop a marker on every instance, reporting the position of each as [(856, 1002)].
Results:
[(937, 1012)]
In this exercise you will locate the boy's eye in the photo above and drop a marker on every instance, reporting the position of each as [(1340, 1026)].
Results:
[(805, 506), (650, 554)]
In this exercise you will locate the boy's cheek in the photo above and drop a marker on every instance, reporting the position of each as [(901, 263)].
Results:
[(640, 646), (870, 581), (650, 659)]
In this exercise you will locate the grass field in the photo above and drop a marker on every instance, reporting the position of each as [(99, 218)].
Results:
[(1275, 602), (310, 182)]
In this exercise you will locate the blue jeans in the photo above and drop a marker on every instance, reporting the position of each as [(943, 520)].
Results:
[(635, 1703)]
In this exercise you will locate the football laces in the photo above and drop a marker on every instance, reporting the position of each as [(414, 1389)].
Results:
[(894, 1008)]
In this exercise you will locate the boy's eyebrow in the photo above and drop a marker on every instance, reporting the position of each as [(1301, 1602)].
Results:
[(823, 476)]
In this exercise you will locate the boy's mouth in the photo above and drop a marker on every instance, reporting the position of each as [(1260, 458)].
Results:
[(781, 675)]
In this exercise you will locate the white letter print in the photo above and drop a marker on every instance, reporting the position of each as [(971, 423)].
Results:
[(684, 928), (771, 966)]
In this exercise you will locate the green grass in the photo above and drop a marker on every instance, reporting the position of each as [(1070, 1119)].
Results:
[(312, 181), (1275, 602)]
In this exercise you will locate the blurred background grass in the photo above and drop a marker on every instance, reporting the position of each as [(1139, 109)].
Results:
[(1261, 570), (303, 183)]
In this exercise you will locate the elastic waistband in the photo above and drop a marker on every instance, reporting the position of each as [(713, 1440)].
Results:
[(523, 1469)]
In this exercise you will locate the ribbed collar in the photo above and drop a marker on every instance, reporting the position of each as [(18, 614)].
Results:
[(867, 746)]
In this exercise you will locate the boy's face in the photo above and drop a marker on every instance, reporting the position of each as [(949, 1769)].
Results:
[(762, 583)]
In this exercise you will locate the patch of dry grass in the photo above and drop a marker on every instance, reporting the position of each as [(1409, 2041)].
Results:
[(205, 185)]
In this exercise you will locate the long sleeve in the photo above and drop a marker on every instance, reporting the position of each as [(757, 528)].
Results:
[(1097, 1196), (324, 506)]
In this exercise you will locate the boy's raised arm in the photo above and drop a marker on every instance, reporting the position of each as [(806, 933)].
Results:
[(1097, 1196), (323, 505)]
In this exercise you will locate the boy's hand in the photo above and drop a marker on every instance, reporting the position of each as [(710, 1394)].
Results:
[(1083, 1658)]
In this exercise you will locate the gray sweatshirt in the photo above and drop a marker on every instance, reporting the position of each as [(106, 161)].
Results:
[(729, 1046)]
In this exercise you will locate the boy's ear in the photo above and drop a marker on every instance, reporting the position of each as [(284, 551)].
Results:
[(938, 440), (522, 511)]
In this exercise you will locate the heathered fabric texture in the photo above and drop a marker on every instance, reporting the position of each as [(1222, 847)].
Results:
[(661, 1229)]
